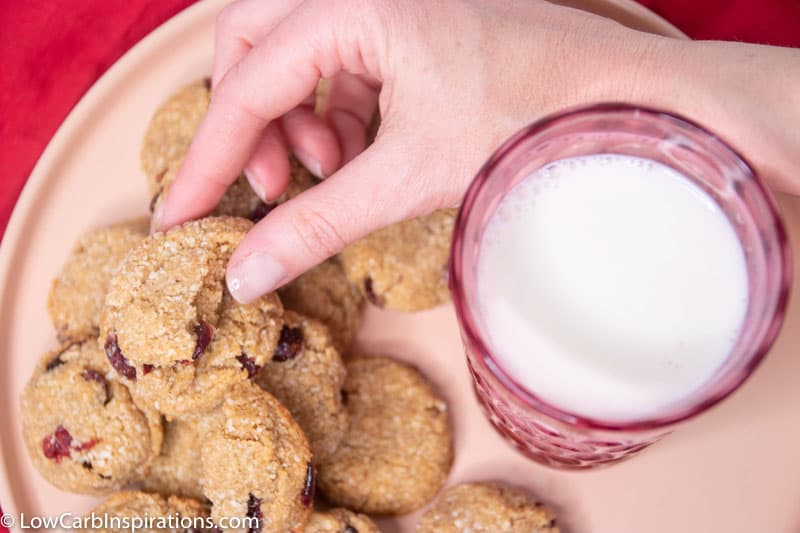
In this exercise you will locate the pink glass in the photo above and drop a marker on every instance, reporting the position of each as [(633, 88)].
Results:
[(541, 430)]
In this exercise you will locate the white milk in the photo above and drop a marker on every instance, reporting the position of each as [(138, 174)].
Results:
[(610, 286)]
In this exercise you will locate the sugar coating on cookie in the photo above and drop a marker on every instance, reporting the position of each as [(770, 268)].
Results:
[(178, 469), (258, 463), (404, 266), (487, 508), (171, 329), (183, 514), (398, 448), (76, 295), (81, 427), (325, 293), (306, 375), (172, 128), (340, 520)]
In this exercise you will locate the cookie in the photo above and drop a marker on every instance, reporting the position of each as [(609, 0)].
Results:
[(487, 508), (257, 463), (306, 375), (81, 427), (403, 266), (153, 513), (76, 295), (172, 128), (340, 521), (240, 200), (398, 447), (171, 329), (325, 293), (177, 469)]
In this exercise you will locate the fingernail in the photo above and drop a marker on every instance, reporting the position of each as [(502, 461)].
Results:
[(310, 163), (255, 184), (158, 217), (253, 276)]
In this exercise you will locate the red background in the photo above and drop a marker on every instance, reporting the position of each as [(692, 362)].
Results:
[(51, 51)]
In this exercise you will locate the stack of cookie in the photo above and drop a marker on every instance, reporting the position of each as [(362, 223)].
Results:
[(200, 406)]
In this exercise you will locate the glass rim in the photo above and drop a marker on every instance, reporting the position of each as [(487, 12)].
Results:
[(468, 322)]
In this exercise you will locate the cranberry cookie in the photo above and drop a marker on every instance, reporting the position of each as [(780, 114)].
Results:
[(81, 427), (404, 266), (487, 508), (306, 375), (76, 295), (257, 463), (173, 332), (398, 447)]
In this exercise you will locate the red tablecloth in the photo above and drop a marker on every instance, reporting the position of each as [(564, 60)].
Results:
[(51, 51)]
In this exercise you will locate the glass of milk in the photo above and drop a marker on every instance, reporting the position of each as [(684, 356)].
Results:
[(615, 270)]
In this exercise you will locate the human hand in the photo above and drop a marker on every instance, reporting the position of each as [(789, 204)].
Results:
[(455, 78)]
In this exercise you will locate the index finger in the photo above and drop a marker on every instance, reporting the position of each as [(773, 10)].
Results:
[(274, 77)]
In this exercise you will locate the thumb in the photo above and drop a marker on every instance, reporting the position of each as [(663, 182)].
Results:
[(297, 235)]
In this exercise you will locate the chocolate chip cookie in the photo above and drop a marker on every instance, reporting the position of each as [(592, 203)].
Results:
[(165, 514), (487, 508), (76, 295), (81, 427), (404, 266), (172, 331), (340, 520), (325, 293), (257, 463), (398, 447), (306, 375)]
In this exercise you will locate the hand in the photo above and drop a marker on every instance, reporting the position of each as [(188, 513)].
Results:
[(454, 77)]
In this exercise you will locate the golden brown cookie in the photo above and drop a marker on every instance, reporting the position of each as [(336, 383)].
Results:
[(257, 463), (76, 295), (306, 375), (178, 469), (154, 513), (398, 447), (324, 293), (487, 508), (340, 520), (172, 128), (81, 427), (171, 329), (404, 266)]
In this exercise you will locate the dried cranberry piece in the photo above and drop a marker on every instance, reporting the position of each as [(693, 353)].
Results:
[(289, 344), (307, 496), (249, 364), (118, 361), (254, 511), (88, 445), (146, 369), (56, 446), (54, 363), (90, 374), (204, 332), (261, 210), (373, 298), (350, 529)]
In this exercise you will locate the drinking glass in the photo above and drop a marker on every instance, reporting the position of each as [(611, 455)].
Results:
[(546, 432)]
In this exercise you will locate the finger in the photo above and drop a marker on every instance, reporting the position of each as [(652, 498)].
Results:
[(240, 111), (268, 167), (350, 106), (312, 141), (240, 25)]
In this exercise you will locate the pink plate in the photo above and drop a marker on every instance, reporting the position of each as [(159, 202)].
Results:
[(736, 469)]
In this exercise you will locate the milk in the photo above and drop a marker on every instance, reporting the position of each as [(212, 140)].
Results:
[(610, 286)]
